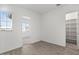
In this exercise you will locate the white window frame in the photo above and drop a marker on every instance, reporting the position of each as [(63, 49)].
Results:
[(6, 21)]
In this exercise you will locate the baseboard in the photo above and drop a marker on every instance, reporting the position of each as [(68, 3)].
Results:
[(54, 43), (3, 52), (31, 42)]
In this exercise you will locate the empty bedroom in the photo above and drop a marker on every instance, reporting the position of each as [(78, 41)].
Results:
[(39, 29)]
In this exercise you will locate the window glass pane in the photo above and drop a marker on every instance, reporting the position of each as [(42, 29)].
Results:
[(9, 25), (3, 16), (23, 27), (3, 25), (9, 20)]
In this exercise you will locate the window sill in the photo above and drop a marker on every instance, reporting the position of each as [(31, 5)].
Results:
[(6, 30)]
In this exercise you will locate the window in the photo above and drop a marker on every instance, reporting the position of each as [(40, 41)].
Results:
[(25, 25), (5, 20)]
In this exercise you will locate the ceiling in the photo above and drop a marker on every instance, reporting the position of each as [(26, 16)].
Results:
[(40, 8)]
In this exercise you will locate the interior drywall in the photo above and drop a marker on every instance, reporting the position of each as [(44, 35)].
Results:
[(53, 27), (13, 39)]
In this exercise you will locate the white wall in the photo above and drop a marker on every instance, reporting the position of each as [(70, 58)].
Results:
[(12, 40), (53, 27)]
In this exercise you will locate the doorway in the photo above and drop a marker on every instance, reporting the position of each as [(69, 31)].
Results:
[(71, 30)]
